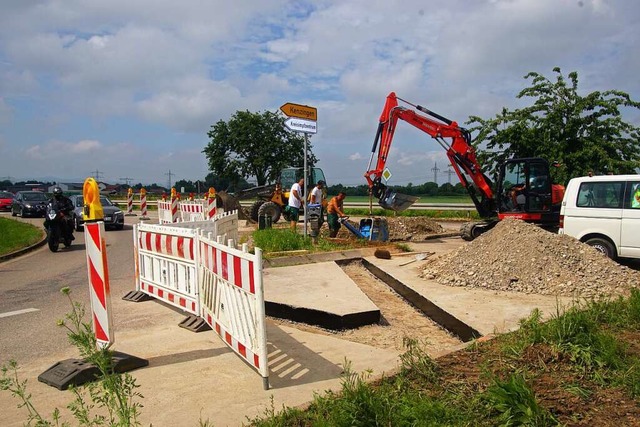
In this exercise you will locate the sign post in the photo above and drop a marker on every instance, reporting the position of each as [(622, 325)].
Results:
[(302, 118)]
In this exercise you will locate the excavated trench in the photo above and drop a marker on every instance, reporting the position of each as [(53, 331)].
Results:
[(404, 313)]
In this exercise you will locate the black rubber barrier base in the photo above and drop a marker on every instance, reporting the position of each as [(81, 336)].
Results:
[(194, 324), (76, 372), (136, 296)]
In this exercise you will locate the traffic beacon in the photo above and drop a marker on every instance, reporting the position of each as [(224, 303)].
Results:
[(76, 372)]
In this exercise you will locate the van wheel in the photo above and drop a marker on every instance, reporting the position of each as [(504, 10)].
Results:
[(603, 245)]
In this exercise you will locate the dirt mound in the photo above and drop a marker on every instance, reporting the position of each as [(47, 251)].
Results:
[(412, 228), (516, 256)]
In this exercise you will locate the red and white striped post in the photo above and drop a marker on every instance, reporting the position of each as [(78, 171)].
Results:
[(211, 203), (174, 205), (143, 203), (97, 268), (130, 202)]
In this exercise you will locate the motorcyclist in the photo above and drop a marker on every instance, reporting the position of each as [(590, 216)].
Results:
[(66, 207)]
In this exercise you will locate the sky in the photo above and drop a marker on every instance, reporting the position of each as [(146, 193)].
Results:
[(127, 90)]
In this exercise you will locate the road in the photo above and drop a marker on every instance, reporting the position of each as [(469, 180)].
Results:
[(30, 298)]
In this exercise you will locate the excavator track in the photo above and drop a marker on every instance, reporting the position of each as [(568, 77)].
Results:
[(470, 230)]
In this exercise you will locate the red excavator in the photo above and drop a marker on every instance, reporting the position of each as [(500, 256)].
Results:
[(524, 189)]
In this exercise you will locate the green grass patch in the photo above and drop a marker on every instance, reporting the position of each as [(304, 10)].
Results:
[(282, 239), (423, 393), (17, 235), (462, 199)]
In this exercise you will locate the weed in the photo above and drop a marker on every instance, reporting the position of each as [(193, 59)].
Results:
[(112, 393), (404, 247), (515, 403), (415, 362)]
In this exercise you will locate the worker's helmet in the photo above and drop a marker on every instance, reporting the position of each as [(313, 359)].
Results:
[(57, 192)]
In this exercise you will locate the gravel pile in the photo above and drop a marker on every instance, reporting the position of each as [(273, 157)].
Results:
[(520, 257), (412, 228)]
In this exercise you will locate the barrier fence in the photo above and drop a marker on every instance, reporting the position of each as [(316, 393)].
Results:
[(196, 210), (186, 265)]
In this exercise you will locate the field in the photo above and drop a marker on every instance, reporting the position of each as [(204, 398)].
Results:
[(423, 199)]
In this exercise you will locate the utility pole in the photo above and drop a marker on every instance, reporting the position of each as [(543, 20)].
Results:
[(170, 175), (435, 170), (97, 174), (450, 172), (127, 181)]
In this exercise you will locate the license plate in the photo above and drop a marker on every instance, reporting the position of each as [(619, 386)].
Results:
[(107, 218)]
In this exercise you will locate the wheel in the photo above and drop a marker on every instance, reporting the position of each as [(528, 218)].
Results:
[(603, 245), (255, 208), (119, 226), (270, 209), (53, 240), (67, 242), (76, 224)]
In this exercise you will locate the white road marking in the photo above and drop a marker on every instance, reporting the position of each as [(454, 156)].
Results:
[(15, 313)]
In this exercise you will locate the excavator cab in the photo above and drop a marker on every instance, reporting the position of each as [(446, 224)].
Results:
[(525, 191)]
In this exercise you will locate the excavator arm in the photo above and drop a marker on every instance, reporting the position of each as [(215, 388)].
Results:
[(455, 140)]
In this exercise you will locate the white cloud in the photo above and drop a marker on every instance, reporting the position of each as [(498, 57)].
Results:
[(356, 156)]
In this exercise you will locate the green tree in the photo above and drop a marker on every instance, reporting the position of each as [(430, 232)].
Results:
[(582, 133), (254, 145)]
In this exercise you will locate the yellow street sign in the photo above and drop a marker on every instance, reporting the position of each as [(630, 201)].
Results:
[(300, 111)]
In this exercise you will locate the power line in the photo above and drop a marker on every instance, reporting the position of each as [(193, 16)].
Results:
[(127, 181), (170, 175), (97, 174), (435, 170)]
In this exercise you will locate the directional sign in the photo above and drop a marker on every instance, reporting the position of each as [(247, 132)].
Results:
[(300, 125), (300, 111), (386, 174)]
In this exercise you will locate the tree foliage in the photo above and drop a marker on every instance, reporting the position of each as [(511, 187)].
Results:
[(582, 133), (254, 145)]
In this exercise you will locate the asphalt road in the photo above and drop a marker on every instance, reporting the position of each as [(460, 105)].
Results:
[(30, 298)]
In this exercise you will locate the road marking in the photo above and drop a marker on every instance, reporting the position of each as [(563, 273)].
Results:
[(15, 313)]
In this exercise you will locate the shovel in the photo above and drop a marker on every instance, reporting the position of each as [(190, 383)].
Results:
[(418, 257)]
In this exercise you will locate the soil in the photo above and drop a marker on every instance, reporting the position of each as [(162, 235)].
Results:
[(521, 257), (399, 319), (402, 228)]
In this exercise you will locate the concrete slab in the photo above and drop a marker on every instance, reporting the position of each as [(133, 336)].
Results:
[(194, 377), (318, 294)]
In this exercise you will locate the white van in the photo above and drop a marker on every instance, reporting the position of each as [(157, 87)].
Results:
[(604, 212)]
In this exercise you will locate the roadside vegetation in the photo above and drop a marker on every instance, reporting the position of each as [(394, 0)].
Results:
[(441, 214), (582, 367), (17, 235), (272, 240)]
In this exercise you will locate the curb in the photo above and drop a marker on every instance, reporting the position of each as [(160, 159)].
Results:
[(23, 251)]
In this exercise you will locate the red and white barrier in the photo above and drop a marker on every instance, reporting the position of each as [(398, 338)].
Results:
[(232, 300), (211, 207), (164, 212), (143, 203), (183, 265), (167, 264), (192, 211), (174, 209), (98, 272)]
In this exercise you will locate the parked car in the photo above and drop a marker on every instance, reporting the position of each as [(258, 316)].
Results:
[(29, 203), (113, 216), (6, 199), (604, 212)]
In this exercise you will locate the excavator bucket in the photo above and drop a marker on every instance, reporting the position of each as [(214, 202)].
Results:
[(396, 201)]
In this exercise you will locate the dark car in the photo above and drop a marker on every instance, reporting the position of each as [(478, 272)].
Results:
[(113, 215), (29, 203), (6, 199)]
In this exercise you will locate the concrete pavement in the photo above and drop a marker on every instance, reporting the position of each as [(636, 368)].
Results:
[(194, 377)]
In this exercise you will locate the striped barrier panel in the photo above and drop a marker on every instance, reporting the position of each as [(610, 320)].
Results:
[(174, 209), (232, 300), (167, 264), (211, 207), (100, 294), (192, 211), (164, 212)]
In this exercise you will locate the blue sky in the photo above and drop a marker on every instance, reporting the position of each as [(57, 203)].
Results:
[(130, 88)]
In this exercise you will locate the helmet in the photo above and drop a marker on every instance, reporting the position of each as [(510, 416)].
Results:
[(57, 192)]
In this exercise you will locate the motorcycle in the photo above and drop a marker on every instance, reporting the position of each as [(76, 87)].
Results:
[(58, 227)]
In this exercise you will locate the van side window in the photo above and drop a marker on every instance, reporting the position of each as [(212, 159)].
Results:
[(635, 195), (600, 195)]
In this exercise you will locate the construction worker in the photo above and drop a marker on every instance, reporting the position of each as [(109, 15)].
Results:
[(295, 202), (316, 194), (334, 211)]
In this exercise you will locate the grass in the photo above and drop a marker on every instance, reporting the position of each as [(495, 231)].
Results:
[(441, 214), (282, 239), (583, 338), (17, 235), (462, 199)]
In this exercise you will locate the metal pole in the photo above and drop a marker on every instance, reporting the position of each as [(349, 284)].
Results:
[(304, 191)]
